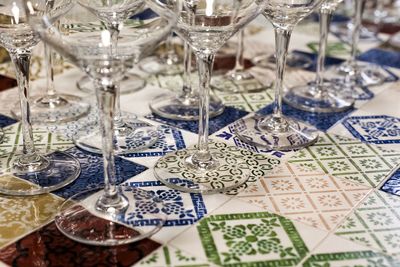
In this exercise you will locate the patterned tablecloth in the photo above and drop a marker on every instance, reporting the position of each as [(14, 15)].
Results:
[(336, 203)]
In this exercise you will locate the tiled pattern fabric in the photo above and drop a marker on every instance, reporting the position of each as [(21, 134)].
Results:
[(348, 158)]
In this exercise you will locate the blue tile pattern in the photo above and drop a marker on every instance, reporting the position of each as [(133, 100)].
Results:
[(170, 139), (92, 172), (392, 185), (381, 57), (322, 121), (229, 115), (181, 208), (6, 121), (377, 129)]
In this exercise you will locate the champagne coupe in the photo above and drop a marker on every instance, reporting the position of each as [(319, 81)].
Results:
[(131, 134), (276, 131), (115, 214), (321, 95), (207, 26), (238, 80), (29, 171), (352, 71), (185, 105), (54, 107)]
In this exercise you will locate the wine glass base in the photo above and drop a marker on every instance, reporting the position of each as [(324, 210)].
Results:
[(237, 82), (293, 60), (130, 83), (229, 170), (60, 109), (172, 106), (344, 31), (80, 220), (156, 65), (51, 171), (363, 73), (134, 136), (284, 134), (308, 98)]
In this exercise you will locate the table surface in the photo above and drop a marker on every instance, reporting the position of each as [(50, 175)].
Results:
[(336, 203)]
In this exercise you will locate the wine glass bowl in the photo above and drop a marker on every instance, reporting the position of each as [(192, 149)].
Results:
[(103, 212)]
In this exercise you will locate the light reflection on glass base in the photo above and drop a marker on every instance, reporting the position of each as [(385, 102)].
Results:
[(141, 217), (284, 134), (48, 172), (228, 170)]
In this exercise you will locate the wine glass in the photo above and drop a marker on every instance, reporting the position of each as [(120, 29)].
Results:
[(353, 72), (185, 105), (230, 81), (207, 168), (321, 95), (131, 134), (168, 62), (53, 107), (276, 131), (28, 170), (115, 214)]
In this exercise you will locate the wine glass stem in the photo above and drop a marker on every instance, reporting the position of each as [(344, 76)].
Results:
[(205, 63), (325, 16), (187, 63), (359, 8), (114, 31), (282, 38), (239, 63), (106, 97), (21, 64), (48, 61)]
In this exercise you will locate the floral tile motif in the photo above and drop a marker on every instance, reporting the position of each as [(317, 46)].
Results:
[(355, 258), (375, 223), (229, 115), (347, 158), (251, 239), (322, 121), (181, 208), (392, 184), (246, 101), (335, 251), (49, 247), (43, 139), (20, 215), (313, 198), (92, 172), (6, 121), (376, 129), (170, 139), (168, 256)]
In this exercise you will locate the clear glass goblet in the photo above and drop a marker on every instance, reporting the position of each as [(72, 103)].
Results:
[(354, 72), (276, 131), (27, 170), (185, 105), (321, 95), (114, 214), (131, 134), (207, 168), (168, 62), (238, 80), (53, 107)]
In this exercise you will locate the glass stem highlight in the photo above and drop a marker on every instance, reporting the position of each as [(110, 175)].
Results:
[(21, 64), (239, 63), (205, 63), (359, 8), (325, 16), (187, 64), (282, 38)]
